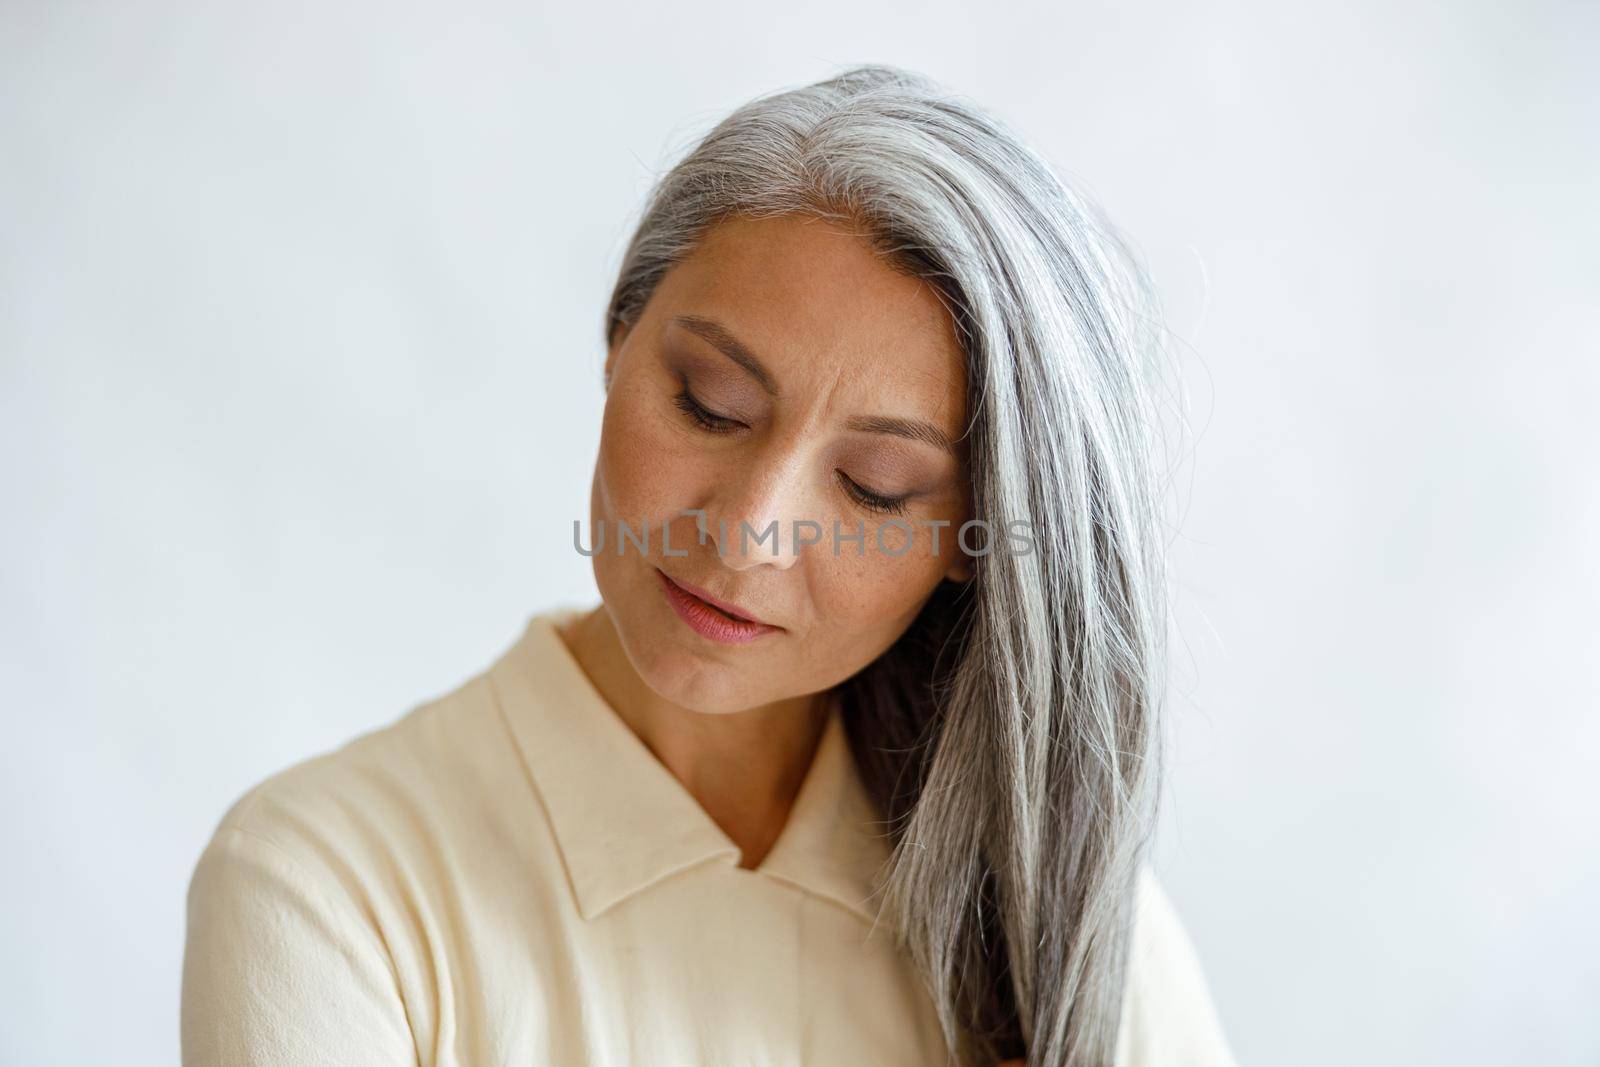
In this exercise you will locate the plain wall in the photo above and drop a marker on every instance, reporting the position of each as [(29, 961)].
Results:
[(300, 344)]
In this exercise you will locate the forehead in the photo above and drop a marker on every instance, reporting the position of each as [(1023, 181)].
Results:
[(818, 306)]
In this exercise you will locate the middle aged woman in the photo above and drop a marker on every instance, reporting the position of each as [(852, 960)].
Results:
[(856, 760)]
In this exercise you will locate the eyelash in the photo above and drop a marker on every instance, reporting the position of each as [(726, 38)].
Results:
[(718, 424), (868, 499), (692, 408)]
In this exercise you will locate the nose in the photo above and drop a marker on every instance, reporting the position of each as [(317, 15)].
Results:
[(760, 501)]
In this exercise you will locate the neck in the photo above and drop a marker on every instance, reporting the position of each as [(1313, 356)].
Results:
[(743, 768)]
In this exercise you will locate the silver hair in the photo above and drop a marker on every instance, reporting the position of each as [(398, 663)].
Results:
[(1011, 736)]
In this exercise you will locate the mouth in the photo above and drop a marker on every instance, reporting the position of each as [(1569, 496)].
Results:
[(712, 619)]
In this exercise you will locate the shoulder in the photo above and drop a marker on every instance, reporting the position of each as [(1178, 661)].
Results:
[(315, 912), (1168, 1014), (297, 947), (348, 815)]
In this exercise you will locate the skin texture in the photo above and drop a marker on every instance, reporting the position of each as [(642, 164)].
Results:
[(841, 335)]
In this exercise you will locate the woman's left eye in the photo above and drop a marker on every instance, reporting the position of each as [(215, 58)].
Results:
[(707, 420), (893, 505)]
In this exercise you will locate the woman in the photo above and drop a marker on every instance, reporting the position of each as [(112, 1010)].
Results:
[(856, 760)]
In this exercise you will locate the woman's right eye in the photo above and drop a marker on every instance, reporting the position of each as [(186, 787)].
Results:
[(706, 420)]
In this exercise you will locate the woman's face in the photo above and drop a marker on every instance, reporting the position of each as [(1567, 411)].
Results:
[(800, 348)]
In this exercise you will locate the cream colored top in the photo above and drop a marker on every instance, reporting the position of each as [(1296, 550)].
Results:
[(507, 875)]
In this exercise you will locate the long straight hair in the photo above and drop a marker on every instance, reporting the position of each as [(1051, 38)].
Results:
[(1011, 736)]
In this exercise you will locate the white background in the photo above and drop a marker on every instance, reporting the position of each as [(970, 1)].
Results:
[(300, 326)]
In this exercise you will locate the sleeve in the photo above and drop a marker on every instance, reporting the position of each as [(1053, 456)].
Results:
[(1168, 1016), (280, 968)]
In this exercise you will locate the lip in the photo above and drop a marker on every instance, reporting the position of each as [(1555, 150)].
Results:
[(705, 616)]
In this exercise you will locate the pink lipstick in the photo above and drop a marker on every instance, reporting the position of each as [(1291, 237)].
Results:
[(708, 620)]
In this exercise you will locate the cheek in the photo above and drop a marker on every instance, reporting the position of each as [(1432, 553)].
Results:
[(646, 469), (864, 602)]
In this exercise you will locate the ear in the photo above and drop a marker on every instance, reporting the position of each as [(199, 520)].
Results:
[(619, 333), (961, 566), (960, 570)]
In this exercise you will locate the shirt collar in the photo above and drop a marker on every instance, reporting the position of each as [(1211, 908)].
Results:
[(624, 823)]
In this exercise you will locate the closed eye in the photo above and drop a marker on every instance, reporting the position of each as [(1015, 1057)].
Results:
[(893, 505), (705, 419), (711, 422)]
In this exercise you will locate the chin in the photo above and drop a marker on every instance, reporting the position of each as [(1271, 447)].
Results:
[(690, 680), (658, 646)]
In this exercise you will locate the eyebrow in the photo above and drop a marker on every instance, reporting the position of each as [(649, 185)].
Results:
[(718, 336), (729, 345)]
